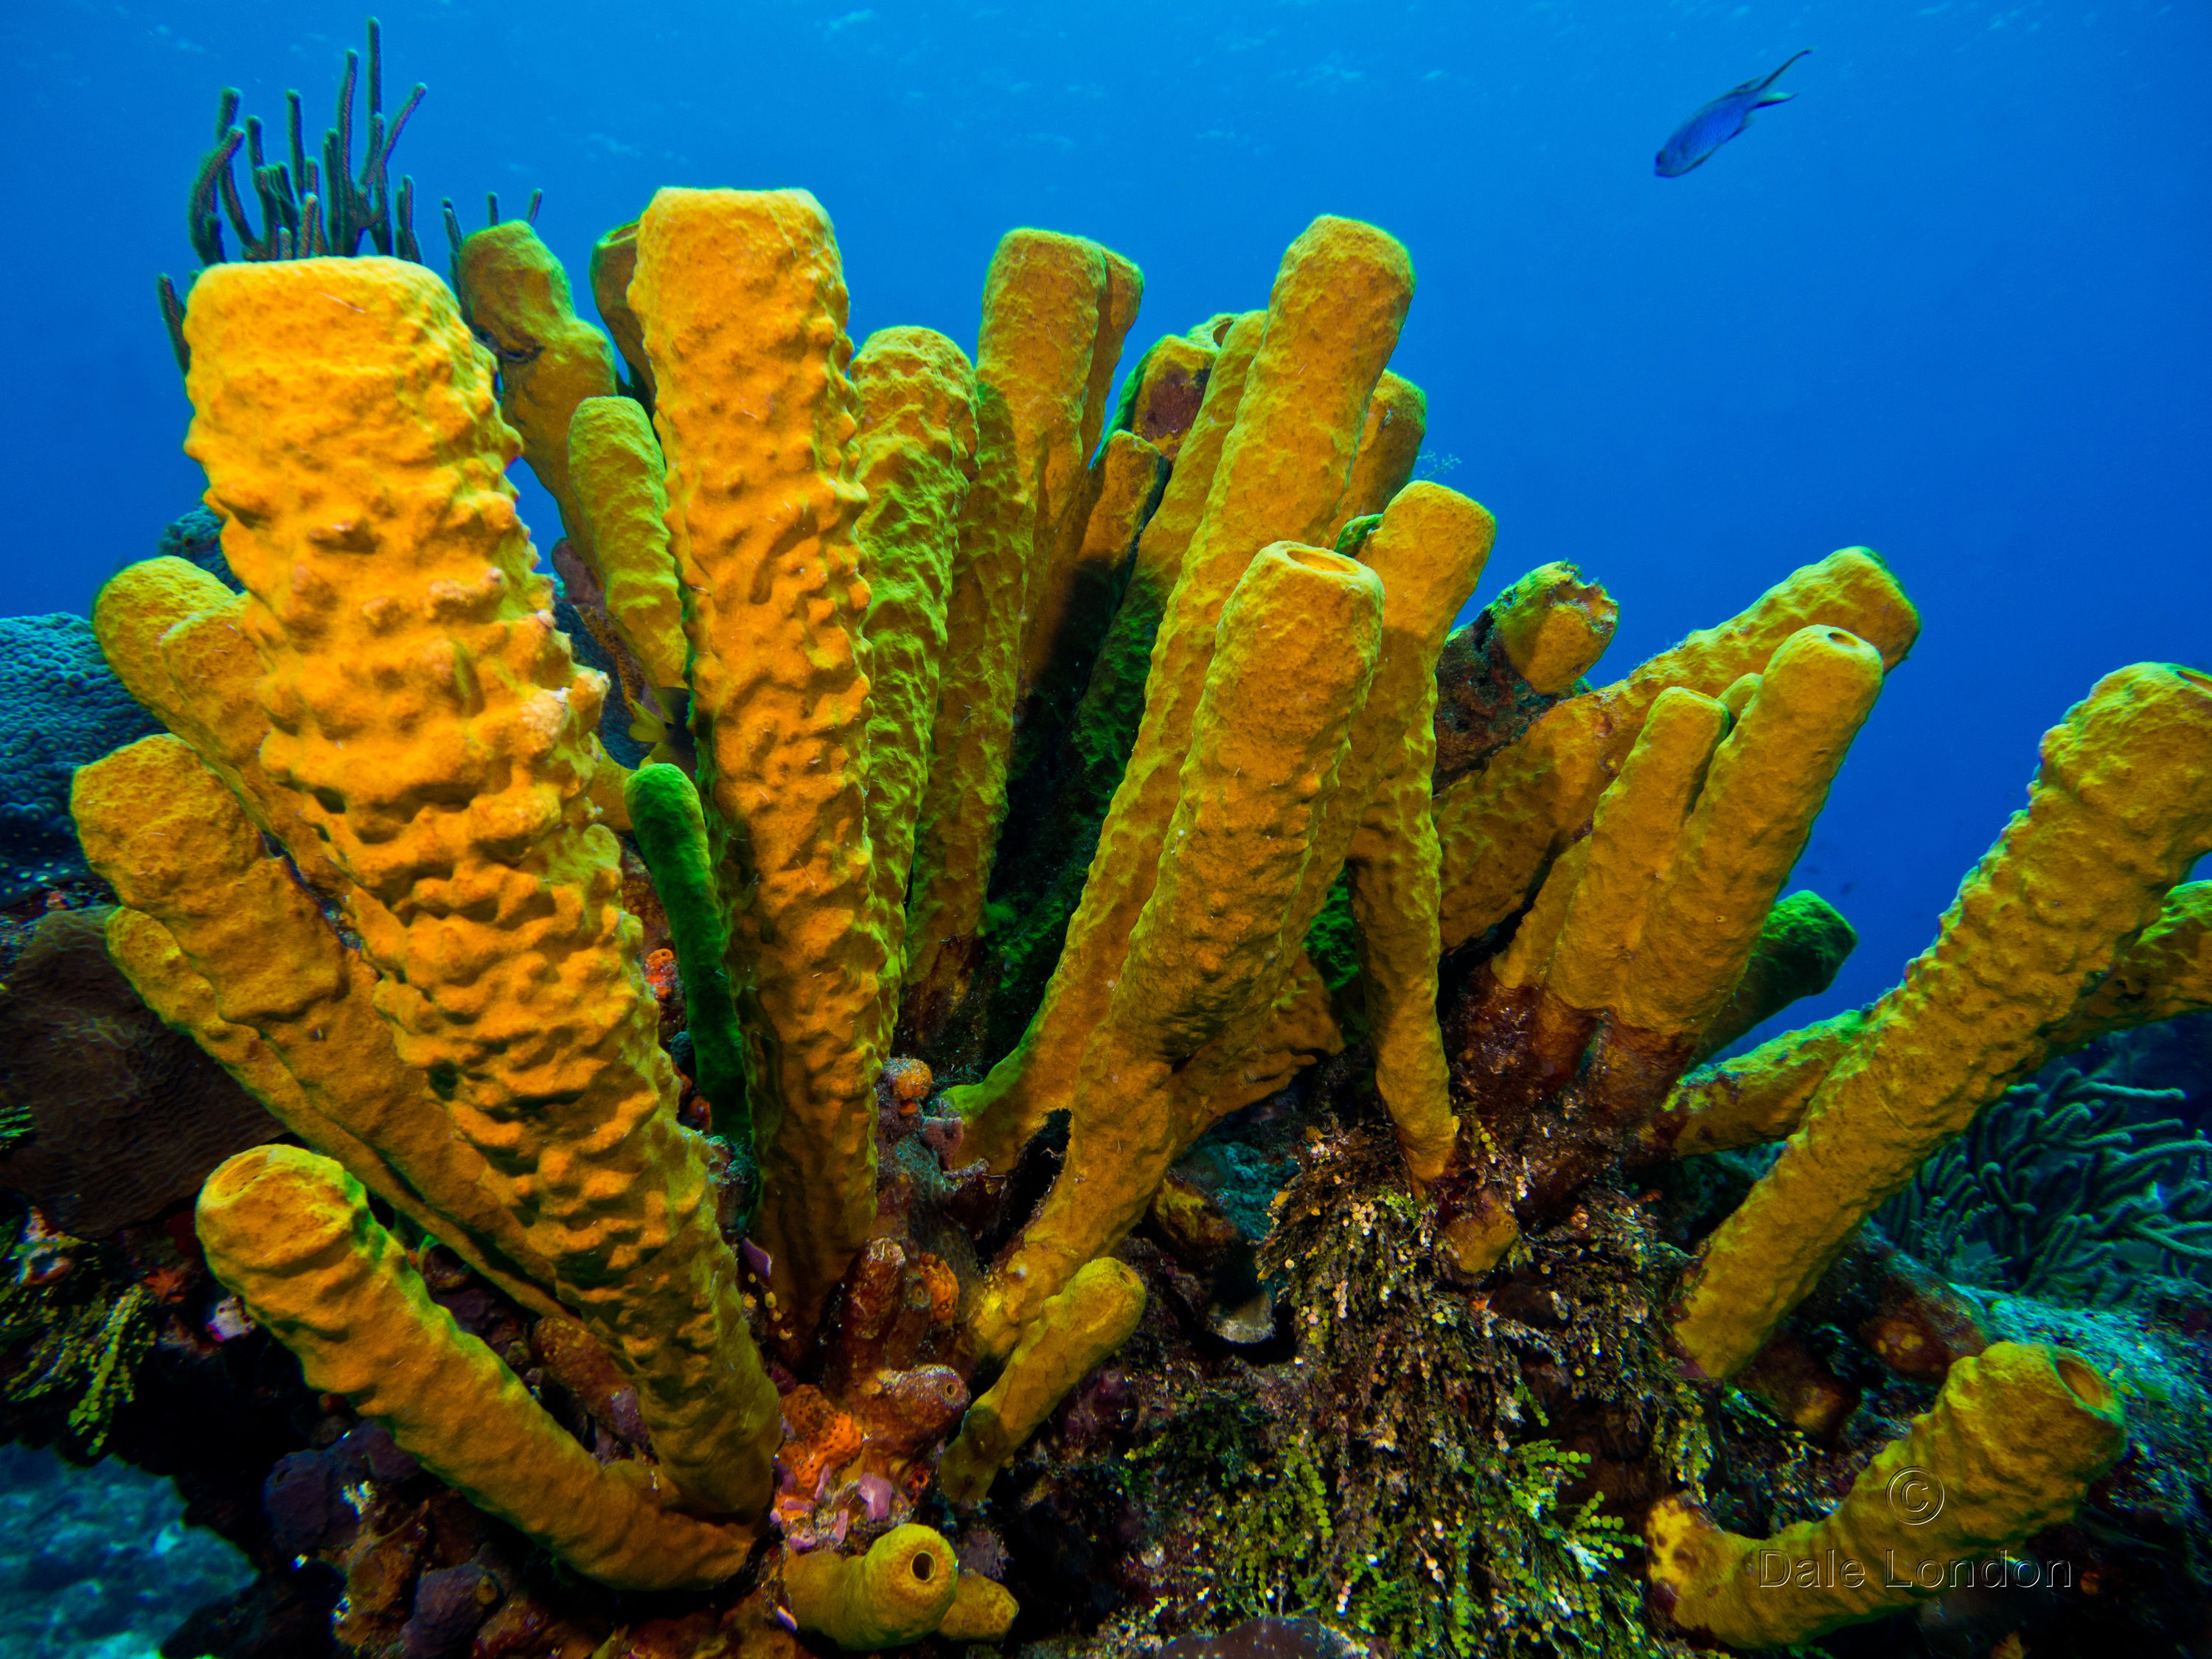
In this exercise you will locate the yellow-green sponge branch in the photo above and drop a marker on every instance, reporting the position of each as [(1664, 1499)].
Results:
[(916, 452), (515, 295), (291, 1234), (2120, 810), (1429, 550), (2010, 1447)]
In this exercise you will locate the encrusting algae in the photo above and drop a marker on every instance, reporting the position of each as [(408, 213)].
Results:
[(881, 612)]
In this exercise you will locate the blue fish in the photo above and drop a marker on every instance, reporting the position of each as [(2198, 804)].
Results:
[(1718, 121)]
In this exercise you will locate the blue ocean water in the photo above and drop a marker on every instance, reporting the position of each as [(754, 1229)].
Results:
[(1950, 302)]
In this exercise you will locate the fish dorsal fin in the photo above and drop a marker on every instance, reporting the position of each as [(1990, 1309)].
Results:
[(1762, 84)]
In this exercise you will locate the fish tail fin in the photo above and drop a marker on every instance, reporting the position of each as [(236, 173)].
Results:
[(1774, 98)]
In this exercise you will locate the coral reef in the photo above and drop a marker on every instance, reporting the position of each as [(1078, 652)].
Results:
[(1127, 1085), (98, 1563), (60, 707)]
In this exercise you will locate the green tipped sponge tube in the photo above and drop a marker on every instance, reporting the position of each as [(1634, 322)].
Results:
[(670, 831)]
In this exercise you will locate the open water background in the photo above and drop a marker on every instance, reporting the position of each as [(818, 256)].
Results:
[(1952, 302)]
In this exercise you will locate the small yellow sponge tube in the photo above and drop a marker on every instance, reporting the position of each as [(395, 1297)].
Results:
[(898, 1592), (2010, 1448), (1169, 390), (516, 295), (916, 450), (1753, 1099), (1429, 550), (1634, 836), (2166, 973), (2120, 810), (436, 732), (618, 487), (1055, 573), (1554, 626), (744, 304), (1075, 1330), (1297, 647), (291, 1234)]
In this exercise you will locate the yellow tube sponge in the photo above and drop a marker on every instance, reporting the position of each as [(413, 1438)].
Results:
[(898, 1593), (618, 487), (175, 637), (438, 735), (916, 450), (291, 1234), (1554, 626), (2010, 1448), (1754, 1099), (744, 305), (515, 295), (1333, 317), (202, 691), (1389, 443), (1060, 580), (1042, 301), (1768, 781), (981, 1610), (176, 845), (1299, 642), (1130, 475), (2120, 809), (614, 262), (1851, 590), (1429, 550), (1073, 1331), (2166, 973), (1117, 315)]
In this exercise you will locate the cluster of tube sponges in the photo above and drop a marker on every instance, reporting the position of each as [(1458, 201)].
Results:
[(373, 869)]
